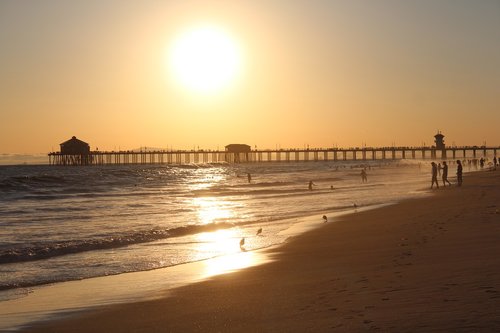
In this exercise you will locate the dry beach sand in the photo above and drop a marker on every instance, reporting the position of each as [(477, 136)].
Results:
[(423, 265)]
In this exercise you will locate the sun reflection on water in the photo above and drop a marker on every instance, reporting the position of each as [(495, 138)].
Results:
[(224, 241), (223, 245), (204, 181), (212, 209)]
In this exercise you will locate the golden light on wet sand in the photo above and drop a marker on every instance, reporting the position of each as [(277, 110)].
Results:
[(224, 245), (229, 263)]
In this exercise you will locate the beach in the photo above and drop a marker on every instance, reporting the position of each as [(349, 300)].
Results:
[(427, 264)]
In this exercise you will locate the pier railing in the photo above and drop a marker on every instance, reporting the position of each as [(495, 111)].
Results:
[(270, 155)]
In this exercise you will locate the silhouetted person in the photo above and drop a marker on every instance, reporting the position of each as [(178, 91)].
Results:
[(249, 176), (364, 178), (434, 175), (242, 244), (445, 174), (311, 184), (459, 173)]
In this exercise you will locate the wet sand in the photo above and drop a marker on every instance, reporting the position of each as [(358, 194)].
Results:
[(428, 265)]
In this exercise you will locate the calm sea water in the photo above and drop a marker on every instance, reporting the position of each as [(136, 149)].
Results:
[(69, 223)]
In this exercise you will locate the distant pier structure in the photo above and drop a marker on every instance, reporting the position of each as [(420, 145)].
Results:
[(77, 152)]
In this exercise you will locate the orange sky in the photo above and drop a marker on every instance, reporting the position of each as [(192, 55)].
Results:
[(317, 73)]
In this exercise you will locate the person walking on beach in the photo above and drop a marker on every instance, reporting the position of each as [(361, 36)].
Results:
[(434, 175), (311, 185), (364, 177), (445, 174), (459, 173), (249, 176)]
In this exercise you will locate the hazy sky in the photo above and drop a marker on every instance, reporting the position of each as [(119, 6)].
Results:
[(317, 73)]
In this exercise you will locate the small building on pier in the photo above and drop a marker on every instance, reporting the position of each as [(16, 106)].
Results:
[(75, 147), (237, 153), (238, 148)]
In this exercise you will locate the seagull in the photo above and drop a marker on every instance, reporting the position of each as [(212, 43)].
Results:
[(325, 218), (259, 231)]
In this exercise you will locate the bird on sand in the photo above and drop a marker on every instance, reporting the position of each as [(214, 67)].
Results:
[(325, 218), (259, 231)]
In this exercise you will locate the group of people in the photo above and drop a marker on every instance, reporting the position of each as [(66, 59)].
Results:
[(437, 169), (443, 171)]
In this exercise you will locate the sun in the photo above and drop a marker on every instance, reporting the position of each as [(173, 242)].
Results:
[(204, 59)]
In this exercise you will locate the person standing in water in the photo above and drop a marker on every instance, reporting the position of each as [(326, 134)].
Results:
[(364, 177), (459, 173), (445, 174), (434, 175)]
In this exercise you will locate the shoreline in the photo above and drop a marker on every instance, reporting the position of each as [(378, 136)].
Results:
[(55, 301), (421, 264)]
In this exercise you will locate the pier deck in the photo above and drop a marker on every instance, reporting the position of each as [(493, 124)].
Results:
[(269, 155)]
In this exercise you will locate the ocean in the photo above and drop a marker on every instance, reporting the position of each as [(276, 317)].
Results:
[(61, 224)]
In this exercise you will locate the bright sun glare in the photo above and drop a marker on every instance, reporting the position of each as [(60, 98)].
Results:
[(204, 59)]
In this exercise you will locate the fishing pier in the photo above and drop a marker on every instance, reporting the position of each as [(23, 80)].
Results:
[(77, 152), (268, 155)]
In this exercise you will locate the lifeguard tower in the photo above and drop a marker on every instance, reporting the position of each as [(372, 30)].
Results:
[(439, 140)]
